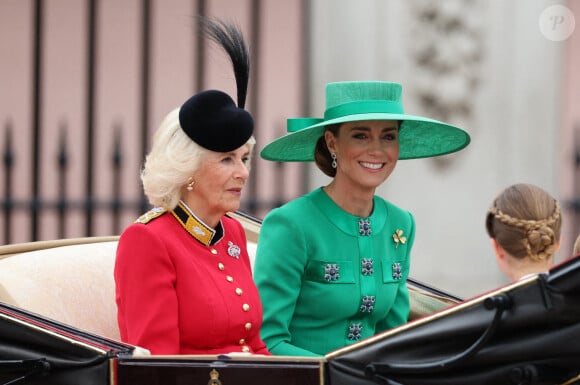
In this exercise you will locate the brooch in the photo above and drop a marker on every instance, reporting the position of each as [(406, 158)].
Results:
[(398, 238), (233, 250)]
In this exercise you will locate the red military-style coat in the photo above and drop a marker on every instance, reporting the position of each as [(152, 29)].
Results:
[(185, 288)]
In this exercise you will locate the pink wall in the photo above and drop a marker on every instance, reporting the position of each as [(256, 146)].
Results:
[(277, 82), (15, 87)]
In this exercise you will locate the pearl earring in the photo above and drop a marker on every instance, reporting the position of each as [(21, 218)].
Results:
[(190, 184)]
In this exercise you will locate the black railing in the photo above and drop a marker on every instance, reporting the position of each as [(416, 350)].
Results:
[(8, 163), (64, 203), (38, 50)]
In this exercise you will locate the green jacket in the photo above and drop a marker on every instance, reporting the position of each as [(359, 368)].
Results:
[(324, 281)]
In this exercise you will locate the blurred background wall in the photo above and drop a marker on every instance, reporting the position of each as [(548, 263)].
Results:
[(84, 84)]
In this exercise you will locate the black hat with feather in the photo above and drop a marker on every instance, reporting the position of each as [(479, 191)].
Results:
[(211, 118)]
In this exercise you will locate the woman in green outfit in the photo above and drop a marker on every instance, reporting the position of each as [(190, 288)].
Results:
[(331, 266)]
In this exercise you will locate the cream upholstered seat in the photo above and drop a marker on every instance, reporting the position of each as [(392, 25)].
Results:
[(71, 281)]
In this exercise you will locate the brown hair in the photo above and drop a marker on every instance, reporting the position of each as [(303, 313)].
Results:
[(322, 156), (525, 221)]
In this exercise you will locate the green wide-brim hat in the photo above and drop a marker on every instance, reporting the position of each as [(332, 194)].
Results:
[(419, 137)]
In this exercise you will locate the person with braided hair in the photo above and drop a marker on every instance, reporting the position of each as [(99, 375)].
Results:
[(524, 224), (182, 271), (576, 248)]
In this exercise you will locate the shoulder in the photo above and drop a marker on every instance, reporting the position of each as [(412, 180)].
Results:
[(150, 215), (297, 206), (285, 217), (151, 225), (232, 225), (296, 219), (395, 211)]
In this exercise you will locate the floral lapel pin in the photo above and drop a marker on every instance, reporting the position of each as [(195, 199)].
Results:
[(399, 238), (233, 250)]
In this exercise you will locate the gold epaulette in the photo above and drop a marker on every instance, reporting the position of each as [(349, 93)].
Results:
[(150, 215)]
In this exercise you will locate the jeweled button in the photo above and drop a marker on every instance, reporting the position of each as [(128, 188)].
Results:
[(246, 307), (229, 278), (221, 266), (242, 341), (213, 251), (354, 331), (248, 326), (245, 349), (239, 291)]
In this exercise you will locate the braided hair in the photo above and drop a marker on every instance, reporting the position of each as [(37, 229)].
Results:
[(525, 221)]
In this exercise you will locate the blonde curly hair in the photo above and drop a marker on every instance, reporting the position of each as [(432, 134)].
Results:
[(525, 221)]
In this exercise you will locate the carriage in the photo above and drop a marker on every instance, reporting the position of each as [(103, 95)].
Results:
[(58, 326)]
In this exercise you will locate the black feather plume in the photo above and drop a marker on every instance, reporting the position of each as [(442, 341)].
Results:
[(230, 38)]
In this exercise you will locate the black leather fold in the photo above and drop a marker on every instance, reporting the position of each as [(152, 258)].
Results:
[(530, 339)]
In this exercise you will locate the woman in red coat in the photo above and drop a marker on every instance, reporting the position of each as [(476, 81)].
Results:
[(183, 276)]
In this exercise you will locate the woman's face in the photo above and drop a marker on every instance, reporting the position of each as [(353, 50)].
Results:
[(219, 182), (366, 151)]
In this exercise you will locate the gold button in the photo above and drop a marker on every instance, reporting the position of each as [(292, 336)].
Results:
[(245, 349), (239, 291), (246, 307), (248, 326), (213, 251), (221, 266), (242, 341), (229, 278)]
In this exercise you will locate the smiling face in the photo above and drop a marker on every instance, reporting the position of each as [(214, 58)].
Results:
[(218, 184), (366, 152)]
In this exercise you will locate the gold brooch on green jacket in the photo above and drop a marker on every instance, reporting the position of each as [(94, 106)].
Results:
[(399, 238)]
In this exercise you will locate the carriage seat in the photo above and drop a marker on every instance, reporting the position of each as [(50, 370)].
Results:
[(69, 281)]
